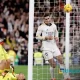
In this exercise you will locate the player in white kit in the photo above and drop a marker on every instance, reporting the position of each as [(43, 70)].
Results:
[(47, 32)]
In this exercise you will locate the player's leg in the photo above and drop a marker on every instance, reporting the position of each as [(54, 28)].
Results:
[(60, 60), (62, 66), (52, 66), (49, 56), (59, 57), (2, 66), (7, 65)]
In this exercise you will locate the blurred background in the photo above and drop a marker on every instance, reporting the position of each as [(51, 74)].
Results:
[(14, 22)]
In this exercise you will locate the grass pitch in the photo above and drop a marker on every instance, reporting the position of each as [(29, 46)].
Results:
[(43, 73), (39, 72)]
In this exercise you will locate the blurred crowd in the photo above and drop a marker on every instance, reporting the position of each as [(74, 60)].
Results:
[(14, 22)]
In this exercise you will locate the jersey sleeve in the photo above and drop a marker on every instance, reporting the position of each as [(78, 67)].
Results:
[(6, 55), (1, 77), (38, 33), (56, 32), (11, 76), (3, 53)]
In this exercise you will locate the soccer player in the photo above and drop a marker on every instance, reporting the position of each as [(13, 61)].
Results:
[(12, 56), (1, 77), (11, 76), (21, 76), (4, 59), (48, 33)]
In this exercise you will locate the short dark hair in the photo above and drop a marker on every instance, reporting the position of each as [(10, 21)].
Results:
[(46, 14)]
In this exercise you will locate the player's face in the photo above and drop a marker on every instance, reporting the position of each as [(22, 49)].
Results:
[(47, 19), (21, 77)]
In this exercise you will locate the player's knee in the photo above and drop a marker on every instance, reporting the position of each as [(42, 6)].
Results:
[(53, 65), (61, 62)]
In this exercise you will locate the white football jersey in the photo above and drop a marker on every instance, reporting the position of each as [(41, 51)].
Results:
[(45, 30)]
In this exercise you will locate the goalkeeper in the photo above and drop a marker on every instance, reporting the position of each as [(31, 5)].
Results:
[(4, 58), (11, 76), (5, 61)]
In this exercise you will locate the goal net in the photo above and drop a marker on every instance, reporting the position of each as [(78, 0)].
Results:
[(75, 40), (55, 8)]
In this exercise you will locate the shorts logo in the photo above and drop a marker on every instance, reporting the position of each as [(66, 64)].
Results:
[(46, 54)]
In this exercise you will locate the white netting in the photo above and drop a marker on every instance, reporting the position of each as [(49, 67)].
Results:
[(75, 39), (55, 7)]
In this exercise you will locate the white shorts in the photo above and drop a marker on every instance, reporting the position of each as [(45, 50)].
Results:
[(49, 54)]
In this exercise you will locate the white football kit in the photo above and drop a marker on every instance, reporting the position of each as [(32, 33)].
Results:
[(49, 47)]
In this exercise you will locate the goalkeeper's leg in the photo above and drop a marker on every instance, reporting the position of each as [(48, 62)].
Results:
[(7, 65), (2, 66)]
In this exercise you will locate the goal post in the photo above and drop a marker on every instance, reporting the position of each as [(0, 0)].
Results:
[(67, 39), (30, 40)]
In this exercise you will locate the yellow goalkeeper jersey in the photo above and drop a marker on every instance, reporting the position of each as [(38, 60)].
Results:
[(11, 55), (9, 76), (3, 53), (1, 77)]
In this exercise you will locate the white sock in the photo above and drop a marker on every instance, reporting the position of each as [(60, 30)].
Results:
[(62, 66), (52, 72)]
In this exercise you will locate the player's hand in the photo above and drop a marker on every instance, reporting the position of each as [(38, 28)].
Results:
[(56, 39), (49, 38)]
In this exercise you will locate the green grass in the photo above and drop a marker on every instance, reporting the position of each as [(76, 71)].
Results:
[(42, 72), (39, 72), (21, 69)]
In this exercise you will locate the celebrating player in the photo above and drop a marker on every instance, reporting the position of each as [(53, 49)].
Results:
[(47, 32)]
